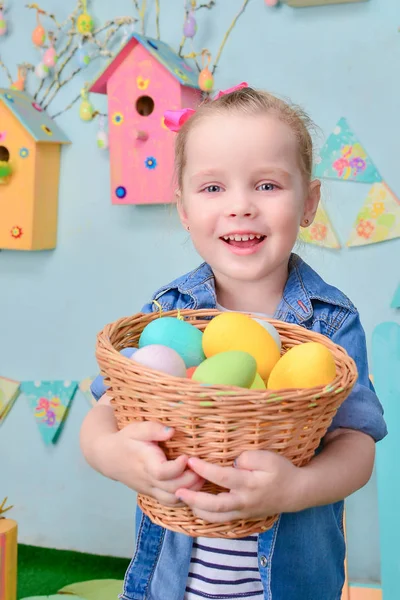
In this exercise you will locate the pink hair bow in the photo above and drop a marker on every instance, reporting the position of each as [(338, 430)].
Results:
[(174, 119)]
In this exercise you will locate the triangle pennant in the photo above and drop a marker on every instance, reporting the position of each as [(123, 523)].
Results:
[(84, 388), (321, 231), (343, 157), (49, 402), (8, 394), (396, 299), (378, 219)]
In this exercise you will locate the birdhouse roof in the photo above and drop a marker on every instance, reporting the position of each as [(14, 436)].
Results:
[(176, 65), (32, 117)]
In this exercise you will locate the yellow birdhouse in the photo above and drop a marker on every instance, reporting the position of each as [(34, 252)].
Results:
[(30, 149)]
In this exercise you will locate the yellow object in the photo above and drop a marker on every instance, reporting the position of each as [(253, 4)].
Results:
[(235, 331), (84, 24), (304, 366), (258, 383), (30, 141), (8, 559)]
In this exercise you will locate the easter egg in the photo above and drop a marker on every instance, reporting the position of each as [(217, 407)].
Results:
[(190, 371), (42, 71), (258, 383), (304, 366), (102, 140), (82, 57), (50, 57), (236, 331), (161, 358), (84, 24), (206, 80), (86, 110), (227, 368), (39, 35), (271, 330), (179, 335)]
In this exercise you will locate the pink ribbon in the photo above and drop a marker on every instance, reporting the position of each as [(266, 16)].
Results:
[(174, 119)]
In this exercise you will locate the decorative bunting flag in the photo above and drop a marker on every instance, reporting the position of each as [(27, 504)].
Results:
[(321, 231), (396, 299), (8, 394), (84, 387), (379, 218), (49, 401), (343, 157)]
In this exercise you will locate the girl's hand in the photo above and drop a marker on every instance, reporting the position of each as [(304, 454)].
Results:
[(262, 484), (133, 457)]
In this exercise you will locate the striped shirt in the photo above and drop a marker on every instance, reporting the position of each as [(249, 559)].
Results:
[(224, 569)]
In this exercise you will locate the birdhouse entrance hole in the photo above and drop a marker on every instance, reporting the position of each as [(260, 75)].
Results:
[(4, 154), (145, 106)]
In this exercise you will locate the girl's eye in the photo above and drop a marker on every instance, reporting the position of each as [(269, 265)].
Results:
[(212, 189), (267, 187)]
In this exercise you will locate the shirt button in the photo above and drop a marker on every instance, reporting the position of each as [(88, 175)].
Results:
[(263, 561)]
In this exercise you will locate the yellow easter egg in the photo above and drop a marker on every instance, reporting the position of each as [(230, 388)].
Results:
[(304, 366), (235, 331)]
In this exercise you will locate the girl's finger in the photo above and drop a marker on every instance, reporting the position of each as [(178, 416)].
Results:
[(213, 503)]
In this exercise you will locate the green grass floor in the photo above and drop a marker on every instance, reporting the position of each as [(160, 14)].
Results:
[(42, 571)]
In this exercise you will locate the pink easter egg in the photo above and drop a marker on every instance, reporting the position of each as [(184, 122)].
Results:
[(50, 57), (161, 358)]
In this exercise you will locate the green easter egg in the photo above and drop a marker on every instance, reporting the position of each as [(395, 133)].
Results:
[(179, 335), (258, 383), (234, 368)]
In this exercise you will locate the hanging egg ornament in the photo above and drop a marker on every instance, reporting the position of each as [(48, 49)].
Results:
[(206, 79), (41, 70), (84, 24), (39, 33), (3, 23), (102, 136), (50, 56), (86, 109), (190, 25), (82, 57)]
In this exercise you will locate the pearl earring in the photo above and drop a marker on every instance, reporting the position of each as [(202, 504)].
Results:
[(306, 222)]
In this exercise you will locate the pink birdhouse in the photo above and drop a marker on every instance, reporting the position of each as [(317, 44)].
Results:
[(145, 79)]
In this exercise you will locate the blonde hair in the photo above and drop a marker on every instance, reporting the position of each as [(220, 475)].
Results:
[(251, 101)]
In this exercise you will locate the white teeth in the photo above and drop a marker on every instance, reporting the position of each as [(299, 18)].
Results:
[(242, 238)]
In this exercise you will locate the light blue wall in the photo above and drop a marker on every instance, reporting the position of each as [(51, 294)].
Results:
[(335, 61)]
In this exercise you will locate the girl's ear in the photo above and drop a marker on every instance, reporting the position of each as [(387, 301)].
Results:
[(312, 201), (181, 209)]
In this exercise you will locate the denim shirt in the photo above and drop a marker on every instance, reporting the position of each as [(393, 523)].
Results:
[(302, 556)]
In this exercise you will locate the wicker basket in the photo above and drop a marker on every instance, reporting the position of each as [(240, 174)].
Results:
[(216, 426)]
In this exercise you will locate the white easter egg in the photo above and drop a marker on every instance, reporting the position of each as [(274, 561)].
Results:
[(272, 331), (161, 358), (102, 140), (42, 71)]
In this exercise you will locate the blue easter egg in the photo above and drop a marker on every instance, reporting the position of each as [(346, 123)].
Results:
[(98, 388), (179, 335)]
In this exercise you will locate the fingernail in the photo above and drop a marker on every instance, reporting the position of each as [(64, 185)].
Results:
[(167, 428), (235, 463), (180, 499)]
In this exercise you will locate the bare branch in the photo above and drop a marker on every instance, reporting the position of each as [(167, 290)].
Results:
[(7, 72), (225, 38)]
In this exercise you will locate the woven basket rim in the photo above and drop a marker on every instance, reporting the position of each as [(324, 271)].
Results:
[(105, 335)]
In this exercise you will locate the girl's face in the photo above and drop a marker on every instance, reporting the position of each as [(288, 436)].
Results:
[(244, 196)]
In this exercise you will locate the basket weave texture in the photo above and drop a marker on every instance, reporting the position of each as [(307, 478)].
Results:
[(217, 423)]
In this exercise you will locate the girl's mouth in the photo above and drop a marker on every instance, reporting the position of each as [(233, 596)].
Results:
[(243, 240), (248, 243)]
